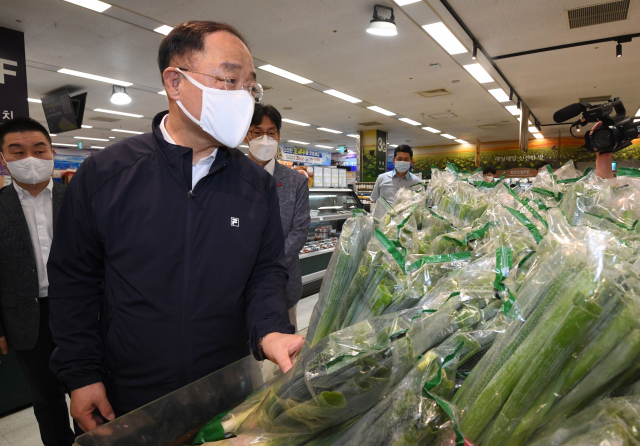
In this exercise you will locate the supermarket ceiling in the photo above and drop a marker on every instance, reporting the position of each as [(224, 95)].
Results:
[(325, 41)]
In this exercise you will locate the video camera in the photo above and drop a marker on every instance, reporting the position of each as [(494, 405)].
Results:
[(614, 134)]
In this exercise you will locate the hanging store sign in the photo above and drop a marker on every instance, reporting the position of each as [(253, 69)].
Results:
[(301, 155), (381, 152)]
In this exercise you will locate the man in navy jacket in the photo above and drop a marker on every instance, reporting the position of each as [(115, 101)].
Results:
[(168, 258)]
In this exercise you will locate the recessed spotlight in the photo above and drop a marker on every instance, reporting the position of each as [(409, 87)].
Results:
[(94, 77), (113, 112), (328, 130), (513, 109), (86, 126), (409, 121), (479, 73), (324, 147), (343, 96), (37, 101), (127, 131), (286, 74), (119, 96), (94, 5), (431, 129), (298, 142), (375, 108), (291, 121), (380, 26), (448, 136), (91, 139), (499, 94), (445, 38), (164, 29)]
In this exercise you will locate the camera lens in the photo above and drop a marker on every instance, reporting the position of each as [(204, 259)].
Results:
[(602, 138)]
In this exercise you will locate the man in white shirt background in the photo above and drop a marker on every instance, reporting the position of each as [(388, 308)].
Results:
[(28, 210), (388, 183)]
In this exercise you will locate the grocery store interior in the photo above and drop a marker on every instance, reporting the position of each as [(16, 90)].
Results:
[(353, 80)]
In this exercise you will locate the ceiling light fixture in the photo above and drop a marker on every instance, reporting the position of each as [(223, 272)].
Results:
[(619, 50), (380, 26), (353, 135), (431, 129), (97, 147), (94, 5), (112, 137), (328, 130), (91, 139), (86, 126), (448, 136), (119, 96), (127, 131), (445, 38), (163, 93), (63, 144), (343, 96), (244, 146), (113, 112), (291, 121), (638, 112), (298, 142), (511, 94), (286, 74), (461, 141), (499, 94), (37, 101), (533, 129), (405, 2), (409, 121), (324, 147), (513, 109), (393, 145), (538, 135), (164, 29), (94, 77), (52, 134), (479, 73), (375, 108), (474, 55)]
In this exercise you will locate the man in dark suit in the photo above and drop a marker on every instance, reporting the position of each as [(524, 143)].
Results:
[(28, 210), (293, 193)]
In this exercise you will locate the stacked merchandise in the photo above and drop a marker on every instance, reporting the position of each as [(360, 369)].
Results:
[(467, 312)]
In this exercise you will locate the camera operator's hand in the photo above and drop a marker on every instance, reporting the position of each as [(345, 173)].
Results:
[(604, 161)]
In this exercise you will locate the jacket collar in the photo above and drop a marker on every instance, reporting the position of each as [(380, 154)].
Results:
[(278, 171)]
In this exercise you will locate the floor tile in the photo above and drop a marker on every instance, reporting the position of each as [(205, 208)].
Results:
[(25, 436), (17, 420), (305, 309), (4, 441)]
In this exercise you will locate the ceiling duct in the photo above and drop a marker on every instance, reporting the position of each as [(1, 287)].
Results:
[(104, 119), (370, 124), (595, 99), (598, 14), (443, 115), (434, 93)]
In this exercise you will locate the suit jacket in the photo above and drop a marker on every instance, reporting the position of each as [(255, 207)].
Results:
[(19, 304), (293, 192)]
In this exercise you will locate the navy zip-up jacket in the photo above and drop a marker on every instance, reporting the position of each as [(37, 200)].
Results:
[(153, 285)]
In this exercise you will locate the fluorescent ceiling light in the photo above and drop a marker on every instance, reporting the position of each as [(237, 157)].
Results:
[(328, 130), (37, 101), (299, 142), (638, 112), (164, 29), (636, 120), (52, 134), (393, 145), (448, 136), (375, 108), (63, 144), (409, 121), (538, 135), (353, 135), (286, 74), (94, 5), (291, 121), (462, 141), (97, 147), (244, 146), (343, 96), (112, 137), (479, 73), (533, 130), (445, 38), (94, 77), (91, 139), (431, 129), (127, 131), (86, 126), (324, 147), (131, 115), (405, 2), (164, 93), (499, 94), (513, 109)]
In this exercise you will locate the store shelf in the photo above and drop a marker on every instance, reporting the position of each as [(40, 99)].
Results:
[(315, 253), (328, 189), (330, 217)]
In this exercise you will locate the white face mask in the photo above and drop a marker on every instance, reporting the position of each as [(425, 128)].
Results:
[(263, 148), (225, 115), (30, 170), (402, 166)]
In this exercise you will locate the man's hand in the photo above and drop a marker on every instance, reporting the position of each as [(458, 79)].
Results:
[(85, 400), (4, 349), (282, 349)]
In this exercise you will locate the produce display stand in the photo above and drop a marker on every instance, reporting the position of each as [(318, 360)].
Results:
[(175, 419)]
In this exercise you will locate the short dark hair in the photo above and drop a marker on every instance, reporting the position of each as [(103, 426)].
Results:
[(19, 125), (403, 149), (540, 165), (188, 38), (260, 111), (489, 169)]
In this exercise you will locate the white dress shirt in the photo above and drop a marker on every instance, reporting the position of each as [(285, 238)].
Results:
[(198, 170), (38, 212), (270, 166)]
